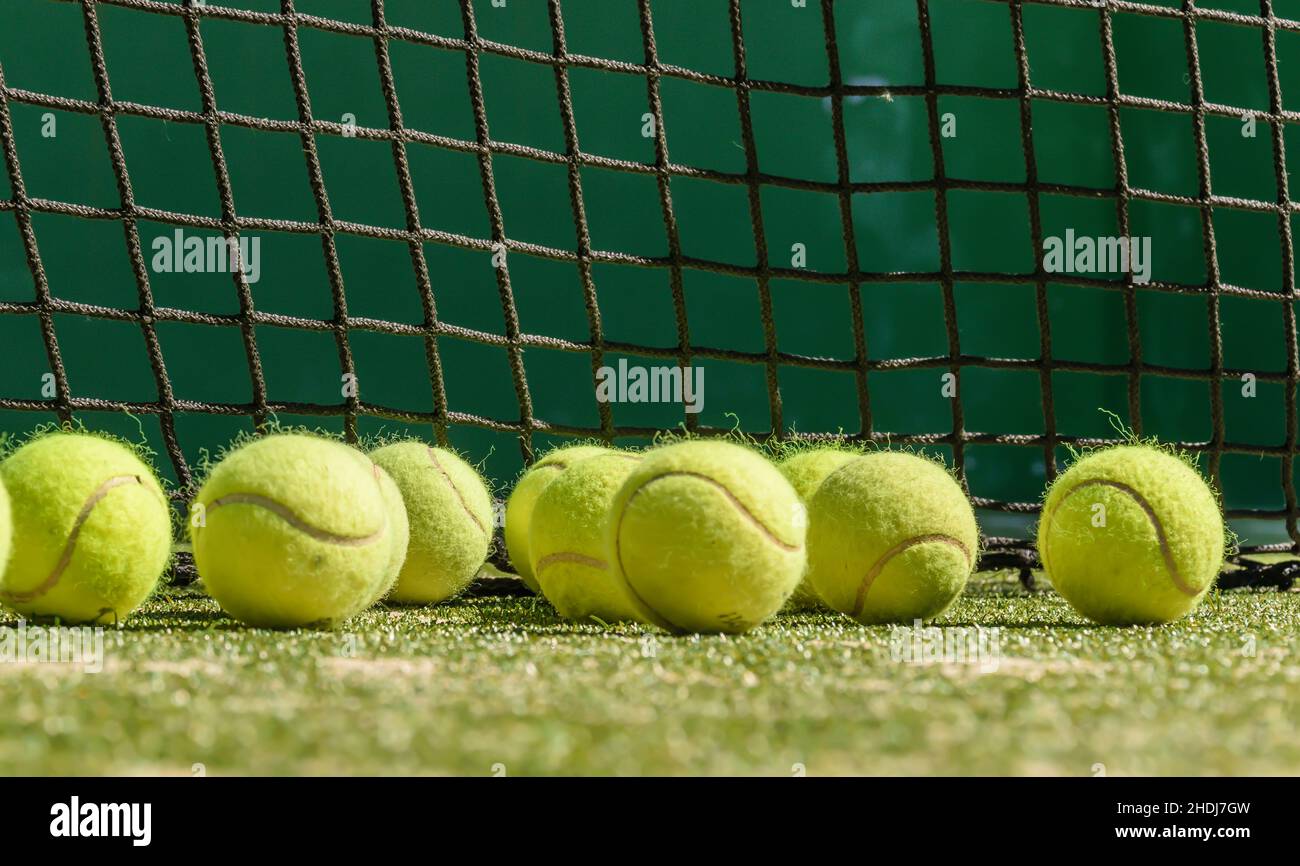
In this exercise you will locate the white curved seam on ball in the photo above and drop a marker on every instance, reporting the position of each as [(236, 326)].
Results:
[(731, 497), (740, 506), (658, 618), (433, 458), (860, 600), (69, 547), (1177, 579), (566, 556), (577, 558), (287, 515)]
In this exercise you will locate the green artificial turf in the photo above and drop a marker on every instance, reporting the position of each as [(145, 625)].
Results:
[(501, 685)]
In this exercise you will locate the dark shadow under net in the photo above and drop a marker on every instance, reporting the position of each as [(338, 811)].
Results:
[(1000, 552)]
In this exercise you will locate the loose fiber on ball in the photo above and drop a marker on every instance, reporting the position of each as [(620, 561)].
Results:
[(92, 528), (567, 538), (1131, 535), (293, 529), (892, 538), (519, 507), (707, 536), (399, 537), (449, 511), (806, 470)]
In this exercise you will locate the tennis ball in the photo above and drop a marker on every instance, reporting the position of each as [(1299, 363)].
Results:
[(806, 470), (291, 530), (450, 512), (6, 529), (92, 529), (891, 538), (399, 538), (707, 536), (519, 507), (1131, 534), (566, 539)]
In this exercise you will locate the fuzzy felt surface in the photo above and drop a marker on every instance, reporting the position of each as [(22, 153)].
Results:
[(567, 539), (806, 470), (91, 529), (450, 514), (892, 538), (6, 529), (1130, 535), (519, 507), (708, 536), (293, 530), (399, 537)]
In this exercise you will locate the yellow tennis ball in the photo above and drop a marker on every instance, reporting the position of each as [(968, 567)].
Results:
[(1131, 534), (806, 470), (891, 538), (519, 507), (92, 529), (707, 536), (399, 538), (450, 514), (291, 530), (6, 529), (566, 539)]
